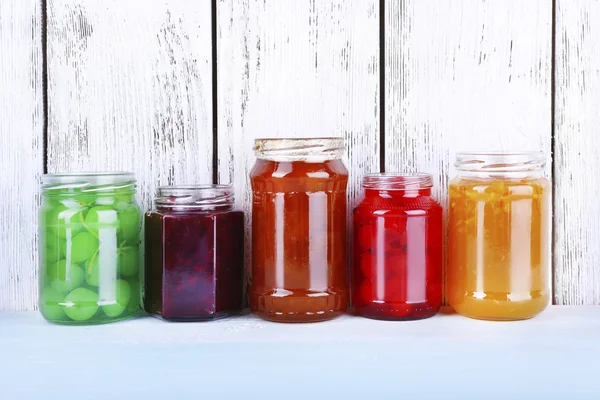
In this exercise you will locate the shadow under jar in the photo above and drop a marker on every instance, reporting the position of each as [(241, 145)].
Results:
[(89, 248), (194, 254), (499, 236), (299, 230), (397, 248)]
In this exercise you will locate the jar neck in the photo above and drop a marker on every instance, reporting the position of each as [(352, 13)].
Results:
[(86, 186), (398, 185), (518, 165), (313, 150), (198, 198)]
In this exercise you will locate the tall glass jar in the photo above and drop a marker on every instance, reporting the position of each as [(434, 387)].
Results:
[(194, 254), (89, 230), (299, 230), (499, 236), (397, 248)]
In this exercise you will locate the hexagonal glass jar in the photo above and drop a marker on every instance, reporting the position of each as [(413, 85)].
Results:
[(194, 262)]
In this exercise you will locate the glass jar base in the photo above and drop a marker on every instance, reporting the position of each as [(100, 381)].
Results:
[(397, 311), (496, 319), (297, 317), (100, 320), (212, 317), (496, 310), (299, 306)]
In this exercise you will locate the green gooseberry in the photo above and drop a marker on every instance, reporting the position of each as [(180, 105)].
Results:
[(63, 220), (123, 198), (64, 276), (99, 216), (104, 201), (50, 307), (85, 199), (92, 272), (51, 254), (81, 304), (55, 247), (129, 261), (129, 222), (83, 247), (122, 202), (121, 301), (117, 201)]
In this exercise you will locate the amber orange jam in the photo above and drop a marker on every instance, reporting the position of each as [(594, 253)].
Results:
[(299, 230), (499, 236)]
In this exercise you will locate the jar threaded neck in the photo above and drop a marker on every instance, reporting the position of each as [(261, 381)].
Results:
[(398, 181), (195, 197), (88, 182), (498, 164), (303, 149)]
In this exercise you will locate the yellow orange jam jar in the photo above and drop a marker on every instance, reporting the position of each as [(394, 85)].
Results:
[(499, 236)]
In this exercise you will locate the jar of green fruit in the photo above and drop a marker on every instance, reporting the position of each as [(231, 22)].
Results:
[(89, 248)]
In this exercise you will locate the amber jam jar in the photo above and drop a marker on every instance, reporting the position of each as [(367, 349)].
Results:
[(194, 254), (397, 248), (299, 230), (499, 236)]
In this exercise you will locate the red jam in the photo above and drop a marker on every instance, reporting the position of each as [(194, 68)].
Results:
[(194, 258), (397, 249)]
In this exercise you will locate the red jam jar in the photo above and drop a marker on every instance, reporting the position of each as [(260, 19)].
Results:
[(397, 248), (194, 254)]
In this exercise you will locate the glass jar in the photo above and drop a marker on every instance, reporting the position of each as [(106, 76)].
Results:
[(499, 236), (89, 230), (397, 248), (194, 267), (299, 230)]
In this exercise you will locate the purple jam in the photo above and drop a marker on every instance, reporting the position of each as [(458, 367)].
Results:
[(194, 264)]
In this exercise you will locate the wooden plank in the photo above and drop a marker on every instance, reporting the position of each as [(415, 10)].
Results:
[(296, 69), (577, 145), (549, 357), (21, 149), (130, 88), (466, 75)]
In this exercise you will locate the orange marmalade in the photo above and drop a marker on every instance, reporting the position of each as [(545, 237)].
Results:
[(499, 236), (299, 230)]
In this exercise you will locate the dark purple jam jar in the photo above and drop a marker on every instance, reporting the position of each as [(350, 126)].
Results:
[(194, 254)]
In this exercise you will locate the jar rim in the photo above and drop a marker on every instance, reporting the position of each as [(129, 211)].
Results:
[(194, 187), (85, 180), (316, 149), (500, 162), (398, 181), (195, 197)]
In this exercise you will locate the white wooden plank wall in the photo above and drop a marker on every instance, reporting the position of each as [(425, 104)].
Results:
[(130, 87), (465, 75), (291, 68), (577, 146), (21, 149)]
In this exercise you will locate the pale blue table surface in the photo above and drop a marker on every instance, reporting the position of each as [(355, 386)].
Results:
[(553, 356)]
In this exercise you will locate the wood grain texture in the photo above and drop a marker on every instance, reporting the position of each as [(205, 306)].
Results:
[(577, 145), (130, 88), (292, 68), (465, 75), (21, 149)]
